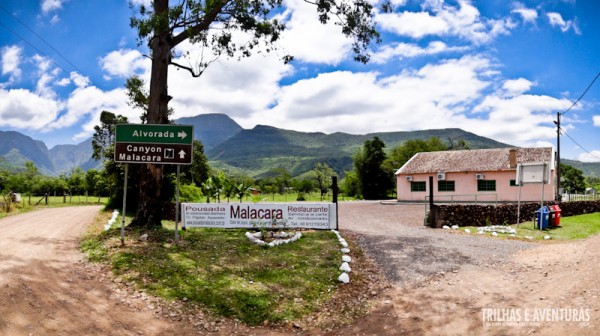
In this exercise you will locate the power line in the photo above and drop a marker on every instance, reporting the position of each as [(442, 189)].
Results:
[(41, 38), (583, 94), (578, 145), (32, 46), (114, 102)]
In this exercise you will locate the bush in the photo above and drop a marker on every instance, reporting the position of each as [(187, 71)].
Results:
[(189, 193)]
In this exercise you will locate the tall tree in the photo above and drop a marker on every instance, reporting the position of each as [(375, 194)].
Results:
[(401, 154), (212, 25), (375, 181), (571, 179), (323, 174)]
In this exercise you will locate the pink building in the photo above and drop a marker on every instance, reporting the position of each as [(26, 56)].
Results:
[(483, 175)]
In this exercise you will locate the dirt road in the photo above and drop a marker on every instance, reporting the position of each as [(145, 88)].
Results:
[(45, 289), (443, 283), (458, 284)]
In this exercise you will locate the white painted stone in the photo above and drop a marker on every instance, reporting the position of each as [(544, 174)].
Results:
[(344, 277)]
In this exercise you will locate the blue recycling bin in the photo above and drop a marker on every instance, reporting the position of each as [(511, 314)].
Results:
[(542, 217)]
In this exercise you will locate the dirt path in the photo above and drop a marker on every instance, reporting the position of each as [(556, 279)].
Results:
[(478, 285), (444, 284), (45, 289)]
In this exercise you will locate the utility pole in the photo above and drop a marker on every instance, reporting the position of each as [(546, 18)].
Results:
[(557, 122)]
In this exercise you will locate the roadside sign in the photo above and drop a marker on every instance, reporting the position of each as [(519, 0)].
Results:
[(160, 144)]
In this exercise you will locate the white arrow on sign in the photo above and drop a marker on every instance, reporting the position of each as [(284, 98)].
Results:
[(182, 134), (182, 154)]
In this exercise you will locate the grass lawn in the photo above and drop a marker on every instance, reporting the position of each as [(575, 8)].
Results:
[(220, 269), (574, 227), (38, 202)]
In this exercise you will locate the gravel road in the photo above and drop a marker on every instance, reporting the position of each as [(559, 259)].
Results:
[(46, 289), (408, 252)]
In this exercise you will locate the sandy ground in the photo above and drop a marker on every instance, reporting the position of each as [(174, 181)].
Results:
[(47, 289), (548, 289)]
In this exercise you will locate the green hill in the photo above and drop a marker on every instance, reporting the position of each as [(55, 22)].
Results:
[(263, 148), (588, 168)]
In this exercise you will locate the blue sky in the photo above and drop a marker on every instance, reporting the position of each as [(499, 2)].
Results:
[(500, 69)]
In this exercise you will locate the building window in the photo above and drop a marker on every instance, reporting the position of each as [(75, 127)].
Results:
[(445, 185), (513, 183), (417, 186), (486, 185)]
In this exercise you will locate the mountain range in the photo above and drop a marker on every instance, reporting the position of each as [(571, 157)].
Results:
[(255, 151)]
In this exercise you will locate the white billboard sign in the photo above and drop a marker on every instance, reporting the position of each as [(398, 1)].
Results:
[(533, 173), (257, 215)]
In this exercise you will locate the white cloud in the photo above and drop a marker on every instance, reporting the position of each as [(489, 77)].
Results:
[(520, 119), (596, 119), (147, 3), (527, 14), (517, 86), (411, 24), (362, 102), (63, 82), (407, 50), (557, 20), (23, 109), (79, 80), (440, 19), (310, 41), (11, 60), (124, 63), (51, 5), (237, 88), (55, 19), (593, 156)]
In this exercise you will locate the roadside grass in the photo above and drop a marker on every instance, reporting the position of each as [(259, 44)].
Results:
[(223, 271), (573, 227), (53, 202)]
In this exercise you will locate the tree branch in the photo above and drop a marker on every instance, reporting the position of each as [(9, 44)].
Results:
[(190, 69), (203, 25)]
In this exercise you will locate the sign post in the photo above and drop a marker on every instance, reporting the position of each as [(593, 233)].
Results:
[(537, 172), (158, 144), (155, 144)]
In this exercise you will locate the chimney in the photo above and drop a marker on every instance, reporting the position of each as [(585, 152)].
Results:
[(512, 158)]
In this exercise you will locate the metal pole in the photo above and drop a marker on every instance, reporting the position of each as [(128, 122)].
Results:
[(520, 181), (431, 219), (558, 156), (335, 191), (177, 208), (542, 202), (124, 205)]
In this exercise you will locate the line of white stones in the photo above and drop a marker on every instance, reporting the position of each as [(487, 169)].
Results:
[(346, 259), (255, 238)]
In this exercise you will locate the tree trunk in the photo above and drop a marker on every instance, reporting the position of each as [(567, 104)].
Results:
[(149, 209)]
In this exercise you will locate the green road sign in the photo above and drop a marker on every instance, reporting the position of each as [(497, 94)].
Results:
[(171, 134), (160, 144)]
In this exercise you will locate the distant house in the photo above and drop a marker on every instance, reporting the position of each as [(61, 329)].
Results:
[(474, 175)]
